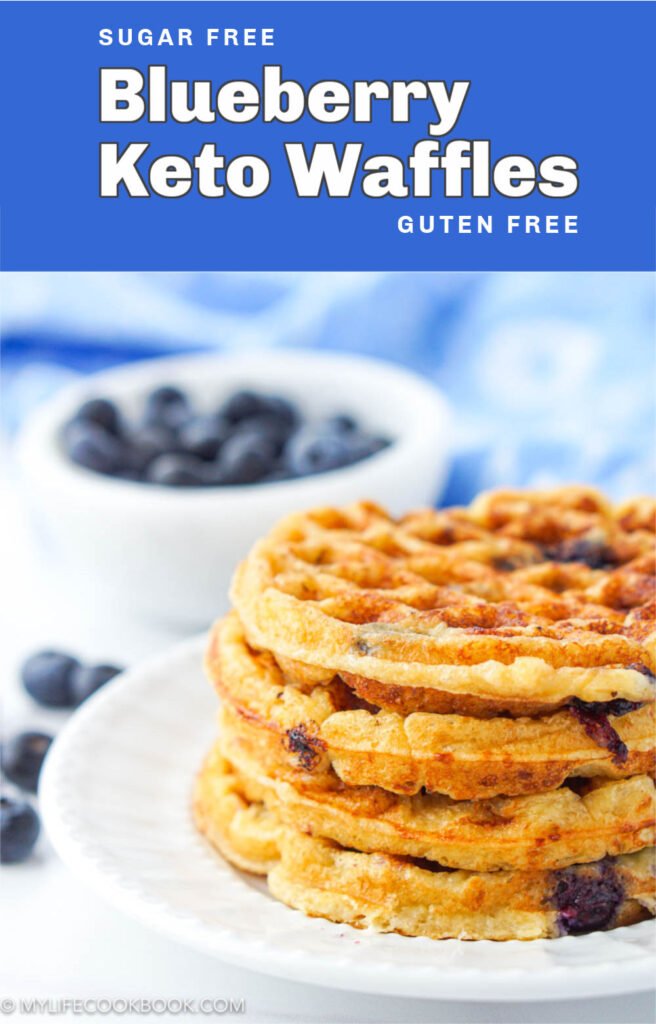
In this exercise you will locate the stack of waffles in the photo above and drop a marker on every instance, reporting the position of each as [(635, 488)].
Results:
[(443, 725)]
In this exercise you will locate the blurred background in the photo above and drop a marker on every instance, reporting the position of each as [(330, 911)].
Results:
[(551, 376)]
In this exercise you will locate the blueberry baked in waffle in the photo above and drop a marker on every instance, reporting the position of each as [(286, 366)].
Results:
[(444, 725)]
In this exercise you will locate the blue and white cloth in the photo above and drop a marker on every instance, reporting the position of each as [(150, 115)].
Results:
[(552, 377)]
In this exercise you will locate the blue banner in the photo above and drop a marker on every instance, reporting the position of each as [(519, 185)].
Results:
[(327, 136)]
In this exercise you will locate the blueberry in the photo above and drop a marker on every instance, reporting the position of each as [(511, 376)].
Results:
[(315, 451), (307, 747), (130, 473), (363, 446), (204, 435), (280, 409), (592, 551), (19, 830), (47, 678), (22, 757), (587, 897), (103, 413), (176, 471), (275, 432), (151, 440), (637, 666), (241, 406), (278, 473), (341, 424), (166, 404), (246, 405), (214, 474), (94, 448), (246, 456), (86, 679), (593, 716)]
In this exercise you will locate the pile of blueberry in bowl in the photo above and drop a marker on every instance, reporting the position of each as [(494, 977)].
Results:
[(248, 438)]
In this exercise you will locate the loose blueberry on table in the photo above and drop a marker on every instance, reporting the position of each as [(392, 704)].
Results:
[(55, 680), (251, 438), (22, 758), (19, 830), (58, 680), (46, 677)]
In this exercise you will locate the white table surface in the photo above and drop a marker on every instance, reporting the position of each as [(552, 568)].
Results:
[(58, 940)]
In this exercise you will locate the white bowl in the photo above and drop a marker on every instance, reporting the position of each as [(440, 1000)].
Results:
[(165, 554)]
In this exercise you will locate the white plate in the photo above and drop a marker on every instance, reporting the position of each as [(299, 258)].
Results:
[(115, 797)]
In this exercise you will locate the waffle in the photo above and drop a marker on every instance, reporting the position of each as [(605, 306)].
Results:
[(410, 896), (517, 604), (229, 810), (319, 735), (546, 830), (444, 725), (385, 893)]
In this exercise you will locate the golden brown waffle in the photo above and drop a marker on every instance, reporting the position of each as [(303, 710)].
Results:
[(542, 831), (230, 811), (314, 736), (415, 897), (518, 603), (385, 893)]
